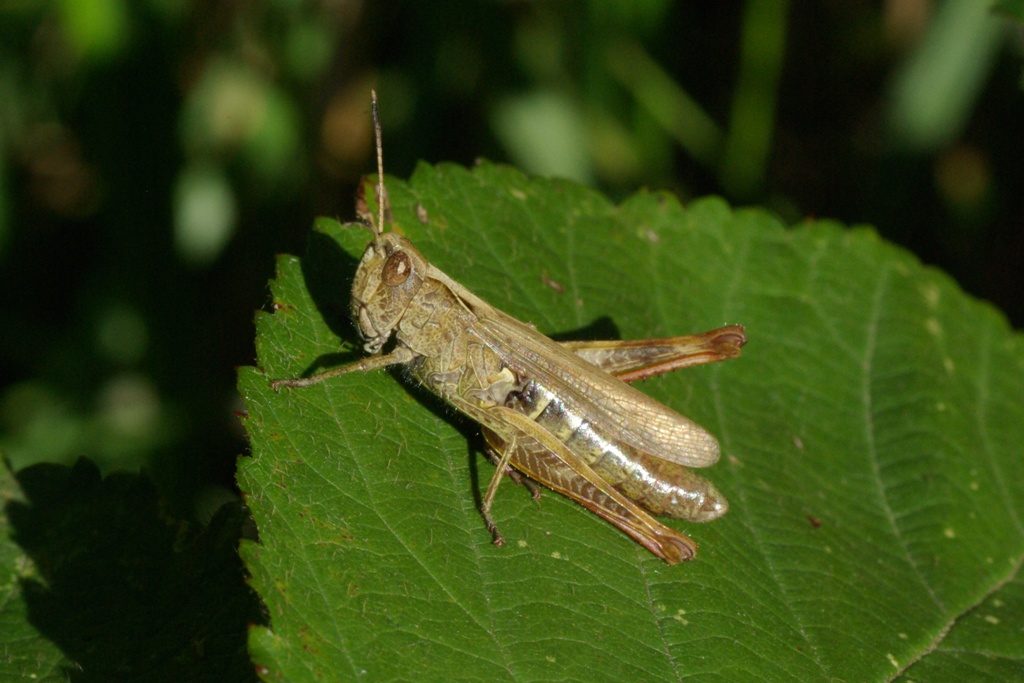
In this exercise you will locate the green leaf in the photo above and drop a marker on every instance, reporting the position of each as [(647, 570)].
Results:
[(871, 436), (1011, 8), (26, 652), (101, 586)]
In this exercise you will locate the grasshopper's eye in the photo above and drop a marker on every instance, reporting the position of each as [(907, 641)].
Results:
[(397, 269)]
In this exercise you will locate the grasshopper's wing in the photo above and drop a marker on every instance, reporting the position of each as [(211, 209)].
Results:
[(632, 416), (544, 458), (635, 417)]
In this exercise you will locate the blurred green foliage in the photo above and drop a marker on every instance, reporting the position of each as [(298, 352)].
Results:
[(155, 154)]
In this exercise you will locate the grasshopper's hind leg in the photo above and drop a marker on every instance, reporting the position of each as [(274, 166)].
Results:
[(631, 360)]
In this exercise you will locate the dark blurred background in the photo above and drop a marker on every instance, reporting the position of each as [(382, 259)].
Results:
[(156, 154)]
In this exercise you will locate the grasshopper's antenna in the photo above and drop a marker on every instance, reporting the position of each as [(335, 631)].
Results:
[(380, 164)]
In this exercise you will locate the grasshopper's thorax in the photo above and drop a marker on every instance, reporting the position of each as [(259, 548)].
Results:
[(390, 274)]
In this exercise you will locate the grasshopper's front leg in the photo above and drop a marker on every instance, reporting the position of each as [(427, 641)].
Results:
[(399, 356)]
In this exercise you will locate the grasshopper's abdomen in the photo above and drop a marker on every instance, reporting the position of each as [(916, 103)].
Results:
[(660, 486)]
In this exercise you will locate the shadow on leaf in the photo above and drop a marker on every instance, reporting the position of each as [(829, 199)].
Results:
[(328, 272), (125, 592)]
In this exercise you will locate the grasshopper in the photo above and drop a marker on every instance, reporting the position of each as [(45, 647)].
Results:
[(562, 414)]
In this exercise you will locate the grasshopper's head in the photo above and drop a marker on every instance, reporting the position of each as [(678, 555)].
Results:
[(390, 274)]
